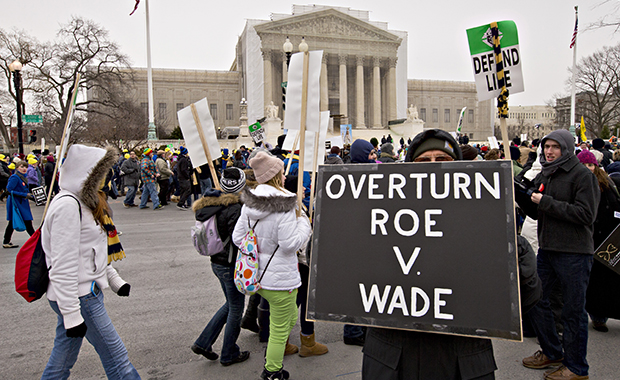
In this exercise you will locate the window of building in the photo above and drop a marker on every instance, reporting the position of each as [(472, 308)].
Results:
[(145, 108), (470, 116), (213, 109), (180, 106), (435, 115), (446, 115), (471, 136), (229, 112), (162, 111), (423, 114)]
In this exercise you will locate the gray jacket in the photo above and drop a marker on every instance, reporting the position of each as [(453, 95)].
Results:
[(131, 168)]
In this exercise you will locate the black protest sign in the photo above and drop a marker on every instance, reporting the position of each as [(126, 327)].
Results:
[(39, 195), (417, 246), (609, 251)]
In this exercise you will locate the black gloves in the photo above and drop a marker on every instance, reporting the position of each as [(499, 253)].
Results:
[(124, 291), (77, 332)]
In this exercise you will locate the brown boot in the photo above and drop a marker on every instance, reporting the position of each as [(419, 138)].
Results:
[(311, 348), (290, 349)]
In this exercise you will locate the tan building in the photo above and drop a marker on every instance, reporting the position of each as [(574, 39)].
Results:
[(535, 121), (364, 72), (363, 77), (439, 104), (175, 89)]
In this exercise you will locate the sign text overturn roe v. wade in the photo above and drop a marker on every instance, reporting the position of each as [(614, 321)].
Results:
[(483, 59), (428, 247)]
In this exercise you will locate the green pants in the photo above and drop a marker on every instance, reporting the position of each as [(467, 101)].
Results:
[(282, 318)]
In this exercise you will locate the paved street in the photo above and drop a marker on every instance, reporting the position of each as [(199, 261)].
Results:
[(173, 295)]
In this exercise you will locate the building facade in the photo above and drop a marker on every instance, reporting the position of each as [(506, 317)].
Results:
[(535, 121), (363, 77), (439, 105), (364, 67)]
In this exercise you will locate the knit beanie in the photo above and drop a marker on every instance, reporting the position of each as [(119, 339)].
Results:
[(586, 157), (469, 152), (265, 166), (432, 144), (515, 153), (233, 180), (147, 151), (598, 143), (387, 148), (182, 150)]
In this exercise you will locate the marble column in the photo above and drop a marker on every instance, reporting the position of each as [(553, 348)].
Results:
[(324, 105), (376, 92), (359, 93), (391, 89), (342, 61), (267, 78)]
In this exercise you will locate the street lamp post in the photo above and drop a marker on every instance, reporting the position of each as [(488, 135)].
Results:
[(16, 68), (288, 50)]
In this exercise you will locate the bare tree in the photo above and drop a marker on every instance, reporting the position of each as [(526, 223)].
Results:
[(82, 47), (611, 18), (598, 79)]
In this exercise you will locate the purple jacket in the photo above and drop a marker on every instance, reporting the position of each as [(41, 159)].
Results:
[(32, 176)]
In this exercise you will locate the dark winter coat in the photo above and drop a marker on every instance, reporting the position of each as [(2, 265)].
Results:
[(333, 159), (398, 354), (602, 294), (386, 158), (184, 168), (567, 210), (131, 168), (530, 284), (226, 208)]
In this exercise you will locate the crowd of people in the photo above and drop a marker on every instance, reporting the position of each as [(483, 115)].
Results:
[(571, 207)]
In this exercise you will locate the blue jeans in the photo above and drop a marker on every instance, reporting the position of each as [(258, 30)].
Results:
[(100, 333), (573, 272), (131, 194), (149, 189), (229, 314)]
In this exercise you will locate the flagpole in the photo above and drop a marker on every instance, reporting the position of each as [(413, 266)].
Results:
[(572, 95), (152, 131)]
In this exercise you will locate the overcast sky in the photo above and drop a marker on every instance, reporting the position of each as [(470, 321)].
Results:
[(198, 34)]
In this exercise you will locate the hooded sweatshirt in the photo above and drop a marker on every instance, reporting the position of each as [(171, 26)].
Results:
[(360, 149), (76, 248)]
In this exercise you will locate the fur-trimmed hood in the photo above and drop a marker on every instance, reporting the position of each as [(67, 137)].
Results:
[(84, 169), (223, 200), (265, 199)]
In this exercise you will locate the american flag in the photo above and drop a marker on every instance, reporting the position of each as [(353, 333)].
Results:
[(574, 39)]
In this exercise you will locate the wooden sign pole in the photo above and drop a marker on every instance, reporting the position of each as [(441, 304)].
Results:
[(290, 160), (205, 147), (302, 130), (312, 182), (62, 143)]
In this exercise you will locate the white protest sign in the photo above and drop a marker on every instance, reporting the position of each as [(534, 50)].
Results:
[(191, 134), (292, 117), (483, 59), (336, 141), (309, 149), (493, 142)]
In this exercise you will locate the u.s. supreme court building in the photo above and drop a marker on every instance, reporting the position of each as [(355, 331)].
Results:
[(364, 79)]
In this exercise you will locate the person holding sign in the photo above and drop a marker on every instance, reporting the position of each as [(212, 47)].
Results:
[(565, 205), (400, 354), (281, 230)]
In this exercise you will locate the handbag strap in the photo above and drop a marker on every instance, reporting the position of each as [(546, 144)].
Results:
[(268, 262)]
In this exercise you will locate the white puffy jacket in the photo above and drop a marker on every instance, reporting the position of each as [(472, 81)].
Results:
[(278, 225)]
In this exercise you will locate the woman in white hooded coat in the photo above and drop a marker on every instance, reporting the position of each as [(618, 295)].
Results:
[(281, 230), (76, 248)]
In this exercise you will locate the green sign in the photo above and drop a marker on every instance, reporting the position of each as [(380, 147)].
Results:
[(32, 118), (284, 84), (257, 132), (483, 59)]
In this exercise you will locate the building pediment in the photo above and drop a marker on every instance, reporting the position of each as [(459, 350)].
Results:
[(328, 23)]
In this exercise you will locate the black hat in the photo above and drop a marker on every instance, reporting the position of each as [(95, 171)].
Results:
[(233, 180)]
